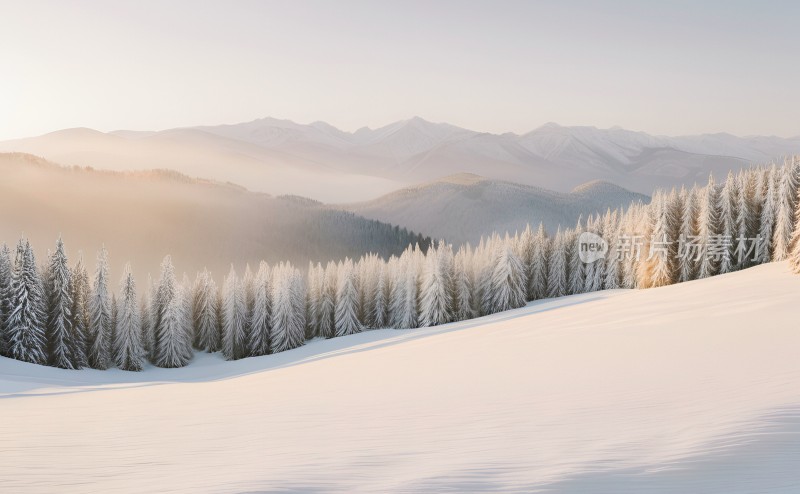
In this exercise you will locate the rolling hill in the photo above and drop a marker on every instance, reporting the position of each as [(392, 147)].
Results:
[(463, 207), (142, 216)]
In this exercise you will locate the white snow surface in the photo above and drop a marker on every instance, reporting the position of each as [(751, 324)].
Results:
[(687, 388)]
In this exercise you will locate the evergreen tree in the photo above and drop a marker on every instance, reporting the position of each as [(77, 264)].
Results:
[(505, 281), (207, 326), (316, 278), (709, 227), (346, 318), (261, 327), (380, 307), (576, 267), (463, 286), (746, 219), (768, 213), (557, 262), (129, 354), (25, 323), (172, 329), (688, 233), (537, 279), (327, 306), (100, 316), (404, 308), (62, 346), (288, 311), (728, 200), (784, 222), (234, 318), (5, 296), (436, 293), (612, 264)]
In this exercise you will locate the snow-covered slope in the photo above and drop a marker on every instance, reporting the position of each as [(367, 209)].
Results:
[(328, 164), (464, 207), (687, 388)]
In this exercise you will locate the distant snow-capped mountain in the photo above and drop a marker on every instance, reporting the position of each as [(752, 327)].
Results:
[(321, 161)]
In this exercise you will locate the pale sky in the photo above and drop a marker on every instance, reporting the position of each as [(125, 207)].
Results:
[(664, 67)]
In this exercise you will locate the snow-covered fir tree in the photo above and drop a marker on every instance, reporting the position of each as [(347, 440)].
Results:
[(728, 200), (234, 318), (709, 227), (380, 295), (504, 283), (129, 353), (463, 285), (261, 323), (557, 267), (5, 295), (768, 213), (576, 268), (347, 300), (62, 344), (100, 317), (688, 235), (81, 294), (537, 276), (784, 221), (316, 278), (404, 303), (327, 304), (611, 280), (288, 308), (172, 329), (436, 289), (207, 326), (25, 335)]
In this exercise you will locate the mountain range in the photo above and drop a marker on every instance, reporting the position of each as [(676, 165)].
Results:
[(320, 161)]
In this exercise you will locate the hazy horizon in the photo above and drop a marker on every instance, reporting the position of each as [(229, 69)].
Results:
[(510, 66)]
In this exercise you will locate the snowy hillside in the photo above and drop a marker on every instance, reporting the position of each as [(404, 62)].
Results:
[(319, 161), (142, 217), (676, 389), (463, 207)]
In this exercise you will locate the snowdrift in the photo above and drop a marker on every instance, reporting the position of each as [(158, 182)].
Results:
[(687, 388)]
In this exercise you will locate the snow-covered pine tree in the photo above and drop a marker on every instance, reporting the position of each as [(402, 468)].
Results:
[(557, 264), (248, 290), (524, 250), (378, 317), (576, 268), (288, 308), (25, 324), (404, 303), (5, 296), (316, 278), (149, 317), (234, 318), (728, 201), (611, 281), (327, 306), (207, 326), (464, 285), (688, 232), (261, 324), (129, 352), (81, 293), (784, 221), (100, 317), (590, 269), (436, 289), (347, 308), (172, 329), (768, 214), (746, 219), (658, 270), (708, 224), (174, 332), (62, 346), (506, 281), (537, 276)]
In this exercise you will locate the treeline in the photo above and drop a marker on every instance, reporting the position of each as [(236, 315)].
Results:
[(57, 314)]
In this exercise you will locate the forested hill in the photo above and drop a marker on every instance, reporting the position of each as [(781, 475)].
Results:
[(142, 216)]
